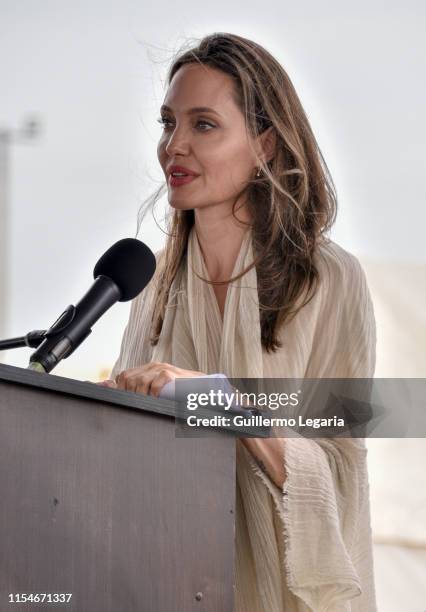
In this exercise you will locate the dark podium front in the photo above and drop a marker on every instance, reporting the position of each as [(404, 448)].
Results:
[(101, 500)]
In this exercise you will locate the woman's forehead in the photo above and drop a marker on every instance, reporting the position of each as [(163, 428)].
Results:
[(200, 86)]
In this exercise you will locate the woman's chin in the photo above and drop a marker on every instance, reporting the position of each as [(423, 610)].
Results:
[(180, 205)]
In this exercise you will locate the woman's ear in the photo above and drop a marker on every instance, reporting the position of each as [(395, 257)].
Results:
[(267, 143)]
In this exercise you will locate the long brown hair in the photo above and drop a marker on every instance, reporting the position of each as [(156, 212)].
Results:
[(292, 204)]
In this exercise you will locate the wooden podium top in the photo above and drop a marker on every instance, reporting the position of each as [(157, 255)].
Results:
[(87, 390)]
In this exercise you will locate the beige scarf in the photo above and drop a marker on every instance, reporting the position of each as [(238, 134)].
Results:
[(307, 546)]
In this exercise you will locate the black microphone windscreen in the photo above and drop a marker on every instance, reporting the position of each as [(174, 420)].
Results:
[(130, 264)]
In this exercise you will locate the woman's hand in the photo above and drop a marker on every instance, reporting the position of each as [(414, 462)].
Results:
[(149, 378), (107, 383)]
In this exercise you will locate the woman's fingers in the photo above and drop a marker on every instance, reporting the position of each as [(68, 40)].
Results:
[(147, 379), (108, 383), (151, 377), (136, 379), (142, 383), (162, 378)]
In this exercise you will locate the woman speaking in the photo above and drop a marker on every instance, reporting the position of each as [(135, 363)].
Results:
[(249, 286)]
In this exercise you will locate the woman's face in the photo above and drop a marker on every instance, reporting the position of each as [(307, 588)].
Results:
[(211, 143)]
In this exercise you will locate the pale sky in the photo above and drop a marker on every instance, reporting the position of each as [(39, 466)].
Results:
[(93, 72)]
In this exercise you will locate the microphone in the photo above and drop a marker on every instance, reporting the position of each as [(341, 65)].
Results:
[(120, 275)]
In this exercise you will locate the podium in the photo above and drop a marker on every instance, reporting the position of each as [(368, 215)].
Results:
[(102, 501)]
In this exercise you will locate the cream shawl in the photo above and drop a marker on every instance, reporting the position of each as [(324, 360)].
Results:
[(307, 546)]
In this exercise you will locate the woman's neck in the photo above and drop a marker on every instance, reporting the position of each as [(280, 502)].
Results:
[(220, 237)]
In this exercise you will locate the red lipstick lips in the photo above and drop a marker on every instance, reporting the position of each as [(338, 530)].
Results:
[(179, 175)]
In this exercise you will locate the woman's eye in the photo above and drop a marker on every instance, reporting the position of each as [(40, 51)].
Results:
[(205, 123), (163, 121)]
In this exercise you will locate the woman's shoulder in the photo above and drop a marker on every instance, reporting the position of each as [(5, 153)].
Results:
[(337, 267)]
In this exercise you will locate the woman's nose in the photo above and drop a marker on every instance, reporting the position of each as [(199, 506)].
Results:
[(177, 142)]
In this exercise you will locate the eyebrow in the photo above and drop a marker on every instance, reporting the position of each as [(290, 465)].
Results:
[(191, 111)]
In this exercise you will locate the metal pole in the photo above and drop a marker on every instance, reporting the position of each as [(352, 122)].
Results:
[(4, 225), (28, 132)]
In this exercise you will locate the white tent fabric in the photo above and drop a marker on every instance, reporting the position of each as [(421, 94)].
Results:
[(399, 295), (400, 578), (396, 466)]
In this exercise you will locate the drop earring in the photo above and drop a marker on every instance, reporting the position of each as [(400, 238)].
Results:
[(258, 173)]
